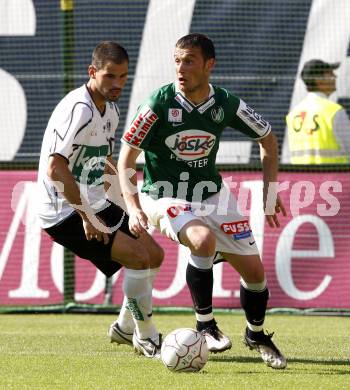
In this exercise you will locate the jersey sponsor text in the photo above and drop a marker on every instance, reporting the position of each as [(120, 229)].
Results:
[(191, 144), (141, 126), (88, 167)]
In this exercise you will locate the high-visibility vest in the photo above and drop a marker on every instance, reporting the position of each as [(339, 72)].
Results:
[(310, 132)]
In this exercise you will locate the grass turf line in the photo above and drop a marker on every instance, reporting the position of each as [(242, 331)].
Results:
[(72, 351)]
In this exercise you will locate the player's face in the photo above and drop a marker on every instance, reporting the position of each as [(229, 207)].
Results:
[(192, 71), (110, 80)]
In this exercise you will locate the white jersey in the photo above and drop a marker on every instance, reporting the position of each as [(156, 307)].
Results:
[(82, 135)]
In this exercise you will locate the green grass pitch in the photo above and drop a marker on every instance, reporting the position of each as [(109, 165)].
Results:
[(72, 351)]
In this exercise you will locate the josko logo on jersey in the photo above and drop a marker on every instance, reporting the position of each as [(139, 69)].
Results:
[(191, 144), (140, 126), (238, 229)]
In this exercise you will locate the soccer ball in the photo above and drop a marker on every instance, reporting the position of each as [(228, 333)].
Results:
[(185, 350)]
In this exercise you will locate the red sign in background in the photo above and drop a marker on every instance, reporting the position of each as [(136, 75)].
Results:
[(306, 259)]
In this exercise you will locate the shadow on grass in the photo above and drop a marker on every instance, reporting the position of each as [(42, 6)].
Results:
[(246, 359)]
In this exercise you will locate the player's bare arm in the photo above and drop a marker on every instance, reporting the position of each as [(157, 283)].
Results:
[(59, 172), (111, 166), (138, 222), (269, 158)]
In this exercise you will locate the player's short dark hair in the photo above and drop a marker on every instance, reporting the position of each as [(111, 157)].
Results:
[(198, 40), (108, 51)]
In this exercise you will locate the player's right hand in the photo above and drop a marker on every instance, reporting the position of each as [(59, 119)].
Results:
[(272, 218), (138, 222)]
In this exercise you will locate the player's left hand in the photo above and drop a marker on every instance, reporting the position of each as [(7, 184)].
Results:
[(138, 222), (272, 220)]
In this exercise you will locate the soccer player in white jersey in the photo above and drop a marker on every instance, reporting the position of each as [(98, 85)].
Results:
[(76, 167), (179, 128)]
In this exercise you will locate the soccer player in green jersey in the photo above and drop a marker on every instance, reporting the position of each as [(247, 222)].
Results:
[(183, 195)]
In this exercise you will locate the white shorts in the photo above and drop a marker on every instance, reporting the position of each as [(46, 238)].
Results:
[(219, 212)]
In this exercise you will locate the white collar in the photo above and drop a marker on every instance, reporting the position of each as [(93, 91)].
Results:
[(211, 93)]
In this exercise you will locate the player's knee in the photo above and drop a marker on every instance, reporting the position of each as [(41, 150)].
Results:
[(252, 269), (140, 257), (156, 254), (159, 257), (154, 250), (255, 275), (143, 261), (203, 243)]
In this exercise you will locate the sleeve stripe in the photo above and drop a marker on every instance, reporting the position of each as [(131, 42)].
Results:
[(131, 145), (117, 109), (82, 127), (71, 119)]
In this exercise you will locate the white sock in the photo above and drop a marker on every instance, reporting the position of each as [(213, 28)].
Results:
[(152, 274), (138, 290), (125, 318), (204, 317)]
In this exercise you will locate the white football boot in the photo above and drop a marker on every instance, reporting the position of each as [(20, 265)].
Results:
[(117, 335), (150, 347), (216, 340), (270, 354)]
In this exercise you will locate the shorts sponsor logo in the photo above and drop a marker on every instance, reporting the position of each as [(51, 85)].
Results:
[(191, 144), (238, 229), (175, 115), (140, 126), (176, 210)]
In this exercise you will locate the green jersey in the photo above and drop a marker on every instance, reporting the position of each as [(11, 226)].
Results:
[(181, 140)]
